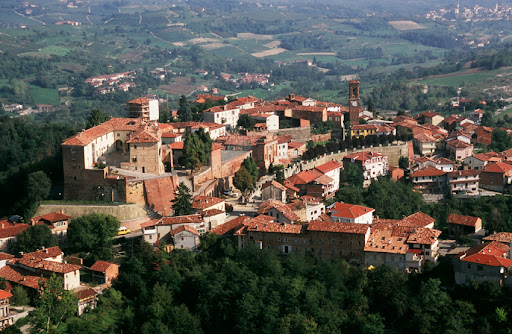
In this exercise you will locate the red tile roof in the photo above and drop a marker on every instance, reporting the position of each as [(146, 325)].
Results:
[(328, 166), (101, 266), (467, 172), (424, 138), (346, 210), (86, 137), (52, 217), (203, 202), (458, 144), (38, 263), (195, 219), (498, 167), (184, 228), (160, 194), (212, 212), (505, 237), (418, 219), (363, 156), (230, 226), (462, 220), (45, 253), (177, 145), (488, 260), (271, 227), (304, 177), (285, 210), (140, 100), (273, 183), (86, 294), (12, 231), (383, 241), (5, 256), (5, 294), (20, 276), (294, 144), (336, 227), (428, 171), (423, 236)]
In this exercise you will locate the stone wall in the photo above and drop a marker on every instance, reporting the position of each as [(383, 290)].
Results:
[(394, 152), (298, 134), (321, 137), (135, 192), (122, 212)]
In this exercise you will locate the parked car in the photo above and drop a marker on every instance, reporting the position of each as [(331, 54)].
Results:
[(123, 230)]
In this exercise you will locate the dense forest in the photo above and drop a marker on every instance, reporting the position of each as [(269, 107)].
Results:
[(224, 290)]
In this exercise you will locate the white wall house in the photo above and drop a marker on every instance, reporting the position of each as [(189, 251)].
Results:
[(222, 115)]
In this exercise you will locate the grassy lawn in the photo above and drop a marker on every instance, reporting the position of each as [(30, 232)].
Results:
[(45, 95)]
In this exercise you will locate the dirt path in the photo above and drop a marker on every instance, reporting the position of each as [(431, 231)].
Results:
[(30, 18), (140, 19), (471, 71)]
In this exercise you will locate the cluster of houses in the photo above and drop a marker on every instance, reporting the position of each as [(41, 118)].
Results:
[(110, 83), (30, 269)]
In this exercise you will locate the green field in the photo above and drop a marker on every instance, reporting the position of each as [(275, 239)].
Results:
[(45, 95), (460, 80)]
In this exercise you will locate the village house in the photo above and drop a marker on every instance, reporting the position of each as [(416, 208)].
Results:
[(204, 203), (6, 317), (158, 230), (9, 231), (463, 225), (484, 262), (462, 181), (56, 221), (383, 248), (429, 180), (104, 272), (425, 144), (273, 190), (321, 239), (331, 169), (372, 164), (54, 254), (429, 117), (478, 161), (313, 183), (496, 177), (87, 299), (223, 115), (351, 213), (185, 237), (363, 130)]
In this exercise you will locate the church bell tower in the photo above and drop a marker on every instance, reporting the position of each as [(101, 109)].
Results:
[(354, 102)]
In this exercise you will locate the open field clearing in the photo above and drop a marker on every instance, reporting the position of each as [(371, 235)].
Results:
[(177, 88), (214, 46), (250, 35), (267, 53), (201, 40), (273, 44), (316, 54), (469, 77), (45, 95), (406, 25)]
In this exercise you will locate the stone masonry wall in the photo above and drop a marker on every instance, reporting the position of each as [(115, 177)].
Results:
[(394, 152), (298, 134)]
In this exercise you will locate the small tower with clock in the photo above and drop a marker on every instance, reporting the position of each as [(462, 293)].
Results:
[(354, 102)]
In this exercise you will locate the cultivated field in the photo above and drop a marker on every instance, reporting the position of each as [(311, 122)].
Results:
[(271, 52), (406, 25)]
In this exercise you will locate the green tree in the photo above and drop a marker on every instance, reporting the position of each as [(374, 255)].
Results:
[(501, 141), (33, 238), (371, 105), (403, 163), (37, 188), (251, 167), (93, 233), (246, 121), (19, 296), (184, 110), (54, 305), (352, 175), (195, 151), (243, 180), (182, 203), (97, 117), (164, 116)]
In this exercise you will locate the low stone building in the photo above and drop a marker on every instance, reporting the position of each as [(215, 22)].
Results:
[(185, 237), (463, 225), (104, 272), (273, 190)]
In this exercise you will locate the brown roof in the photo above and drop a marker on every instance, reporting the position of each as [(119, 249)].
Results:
[(346, 210), (462, 220), (45, 253), (363, 156), (101, 266), (498, 167), (160, 194), (5, 256), (52, 217), (184, 228), (328, 166), (195, 219), (383, 241), (274, 184), (86, 137), (85, 293), (230, 226), (505, 237), (458, 144), (212, 212), (424, 236), (203, 202), (350, 228), (20, 276), (12, 231), (428, 171), (418, 219), (38, 263)]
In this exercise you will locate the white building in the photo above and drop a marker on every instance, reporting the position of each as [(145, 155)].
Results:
[(351, 213), (185, 237), (331, 169), (271, 121), (222, 115), (373, 164)]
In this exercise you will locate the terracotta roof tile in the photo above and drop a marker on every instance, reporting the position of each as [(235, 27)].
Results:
[(101, 266), (184, 228), (53, 217), (230, 226), (203, 202), (428, 171), (160, 194), (336, 227), (45, 253), (38, 263), (328, 166), (462, 220), (195, 219), (20, 276), (273, 183), (498, 167), (346, 210)]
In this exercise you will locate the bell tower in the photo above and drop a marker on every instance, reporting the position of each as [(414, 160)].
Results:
[(354, 102)]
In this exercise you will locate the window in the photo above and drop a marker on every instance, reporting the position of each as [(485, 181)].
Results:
[(135, 147), (469, 265), (134, 159), (480, 268)]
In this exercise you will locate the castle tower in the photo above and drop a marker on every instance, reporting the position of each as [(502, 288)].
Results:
[(354, 102)]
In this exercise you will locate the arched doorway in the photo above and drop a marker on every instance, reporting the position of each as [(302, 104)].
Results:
[(119, 145)]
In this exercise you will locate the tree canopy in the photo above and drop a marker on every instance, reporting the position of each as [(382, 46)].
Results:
[(93, 234), (97, 117), (246, 121), (184, 110), (243, 180), (352, 175), (196, 149), (182, 203), (32, 239)]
